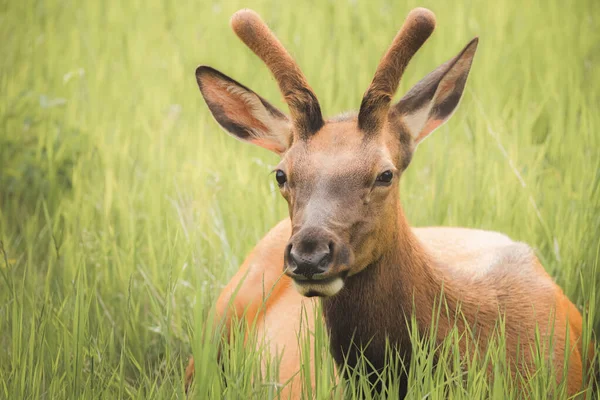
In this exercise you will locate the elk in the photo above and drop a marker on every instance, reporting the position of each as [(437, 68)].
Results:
[(347, 239)]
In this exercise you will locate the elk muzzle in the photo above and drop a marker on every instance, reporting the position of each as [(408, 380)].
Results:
[(316, 260)]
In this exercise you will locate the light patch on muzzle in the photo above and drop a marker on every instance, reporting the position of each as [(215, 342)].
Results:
[(322, 289)]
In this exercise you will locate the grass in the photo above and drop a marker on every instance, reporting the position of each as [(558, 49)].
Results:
[(124, 209)]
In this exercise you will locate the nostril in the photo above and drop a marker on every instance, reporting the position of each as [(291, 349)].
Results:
[(325, 261), (330, 247), (327, 257), (291, 259)]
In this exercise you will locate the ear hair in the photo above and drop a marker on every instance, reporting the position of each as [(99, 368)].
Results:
[(433, 100), (243, 113), (302, 101)]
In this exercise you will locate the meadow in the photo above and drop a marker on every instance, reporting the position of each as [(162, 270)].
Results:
[(125, 209)]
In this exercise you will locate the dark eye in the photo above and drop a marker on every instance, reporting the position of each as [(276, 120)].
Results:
[(385, 178), (280, 177)]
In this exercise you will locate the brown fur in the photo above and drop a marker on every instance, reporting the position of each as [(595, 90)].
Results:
[(379, 271), (406, 276)]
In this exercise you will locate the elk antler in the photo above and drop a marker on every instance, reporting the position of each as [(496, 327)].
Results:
[(303, 104), (418, 26)]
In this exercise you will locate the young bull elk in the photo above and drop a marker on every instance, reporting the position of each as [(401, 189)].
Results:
[(347, 239)]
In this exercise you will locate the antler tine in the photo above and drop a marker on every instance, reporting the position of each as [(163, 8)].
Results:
[(417, 27), (303, 104)]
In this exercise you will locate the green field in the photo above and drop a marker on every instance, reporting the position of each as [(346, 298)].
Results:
[(124, 209)]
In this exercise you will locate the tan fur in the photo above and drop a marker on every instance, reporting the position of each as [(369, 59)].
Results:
[(267, 300)]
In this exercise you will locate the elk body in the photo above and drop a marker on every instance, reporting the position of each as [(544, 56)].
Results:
[(347, 239)]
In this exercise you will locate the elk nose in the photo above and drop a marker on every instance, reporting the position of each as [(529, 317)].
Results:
[(309, 263)]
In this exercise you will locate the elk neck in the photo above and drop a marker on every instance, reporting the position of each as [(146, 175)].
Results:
[(377, 302)]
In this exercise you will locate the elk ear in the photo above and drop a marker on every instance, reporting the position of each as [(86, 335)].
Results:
[(243, 113), (432, 101)]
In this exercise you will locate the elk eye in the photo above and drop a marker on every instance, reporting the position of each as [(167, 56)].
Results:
[(385, 178), (280, 177)]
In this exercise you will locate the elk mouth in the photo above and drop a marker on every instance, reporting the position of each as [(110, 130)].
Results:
[(316, 286)]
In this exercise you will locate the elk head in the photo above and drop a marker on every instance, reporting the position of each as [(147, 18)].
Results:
[(339, 176)]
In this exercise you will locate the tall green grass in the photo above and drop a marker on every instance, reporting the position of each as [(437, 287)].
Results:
[(124, 209)]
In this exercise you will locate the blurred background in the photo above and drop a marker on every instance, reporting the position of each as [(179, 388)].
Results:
[(124, 209)]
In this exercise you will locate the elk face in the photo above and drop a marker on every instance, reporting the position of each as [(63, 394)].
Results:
[(339, 177), (341, 188)]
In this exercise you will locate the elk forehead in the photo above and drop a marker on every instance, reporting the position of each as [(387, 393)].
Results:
[(340, 148)]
